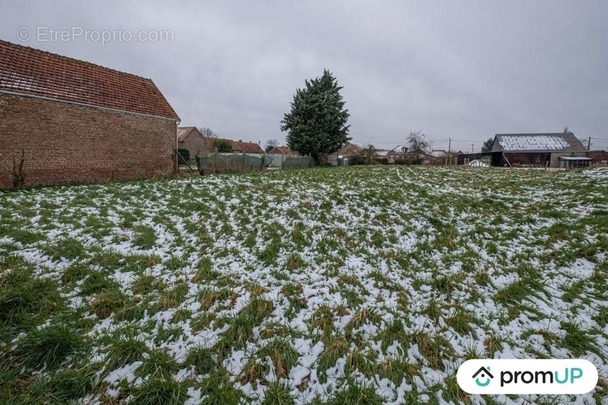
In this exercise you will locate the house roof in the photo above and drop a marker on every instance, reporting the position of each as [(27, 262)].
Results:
[(442, 153), (280, 150), (399, 149), (32, 72), (185, 132), (531, 143), (349, 149), (439, 153), (244, 147)]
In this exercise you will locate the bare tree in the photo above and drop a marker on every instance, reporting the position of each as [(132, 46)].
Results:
[(207, 132), (418, 144), (368, 152), (271, 144)]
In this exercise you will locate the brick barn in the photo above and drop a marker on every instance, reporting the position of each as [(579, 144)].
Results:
[(77, 122)]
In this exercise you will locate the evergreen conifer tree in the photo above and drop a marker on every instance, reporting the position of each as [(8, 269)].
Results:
[(317, 122)]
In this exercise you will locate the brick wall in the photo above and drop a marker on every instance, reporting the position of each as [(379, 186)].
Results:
[(598, 156), (66, 143)]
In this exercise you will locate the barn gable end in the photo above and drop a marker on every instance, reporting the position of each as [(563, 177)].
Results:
[(76, 122)]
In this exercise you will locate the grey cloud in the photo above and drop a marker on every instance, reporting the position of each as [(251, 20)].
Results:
[(464, 70)]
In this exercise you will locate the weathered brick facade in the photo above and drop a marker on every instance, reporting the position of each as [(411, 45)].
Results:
[(69, 143), (77, 122)]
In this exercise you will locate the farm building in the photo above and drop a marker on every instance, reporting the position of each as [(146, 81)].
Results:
[(397, 153), (439, 153), (599, 157), (279, 154), (249, 148), (341, 157), (281, 150), (538, 150), (192, 140), (70, 121), (443, 157), (466, 158)]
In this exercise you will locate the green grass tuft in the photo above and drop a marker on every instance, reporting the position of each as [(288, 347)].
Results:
[(160, 390), (48, 347)]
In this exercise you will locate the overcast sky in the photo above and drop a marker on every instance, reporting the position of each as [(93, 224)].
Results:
[(464, 70)]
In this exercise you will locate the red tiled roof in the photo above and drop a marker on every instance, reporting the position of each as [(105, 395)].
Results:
[(280, 150), (246, 147), (34, 72), (349, 149)]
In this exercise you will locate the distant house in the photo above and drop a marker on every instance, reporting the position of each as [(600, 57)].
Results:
[(598, 156), (281, 150), (381, 153), (397, 153), (439, 153), (76, 122), (443, 157), (240, 147), (341, 157), (192, 140), (279, 154), (250, 148), (538, 150)]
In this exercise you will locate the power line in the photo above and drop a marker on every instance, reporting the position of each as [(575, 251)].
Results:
[(361, 141), (458, 140), (432, 140)]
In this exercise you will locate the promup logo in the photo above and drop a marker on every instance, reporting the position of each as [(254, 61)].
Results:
[(512, 376), (484, 374)]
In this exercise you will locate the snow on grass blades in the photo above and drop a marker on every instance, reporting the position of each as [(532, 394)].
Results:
[(326, 285)]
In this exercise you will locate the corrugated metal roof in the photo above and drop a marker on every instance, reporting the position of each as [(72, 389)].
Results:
[(29, 71), (537, 143)]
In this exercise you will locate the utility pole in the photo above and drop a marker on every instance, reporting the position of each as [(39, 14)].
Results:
[(589, 143), (472, 148), (449, 150)]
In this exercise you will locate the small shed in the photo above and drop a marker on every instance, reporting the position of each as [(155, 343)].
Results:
[(535, 150), (341, 157), (573, 162), (279, 154), (192, 140), (598, 156)]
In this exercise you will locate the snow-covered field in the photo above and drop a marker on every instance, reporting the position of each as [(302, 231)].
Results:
[(323, 285)]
